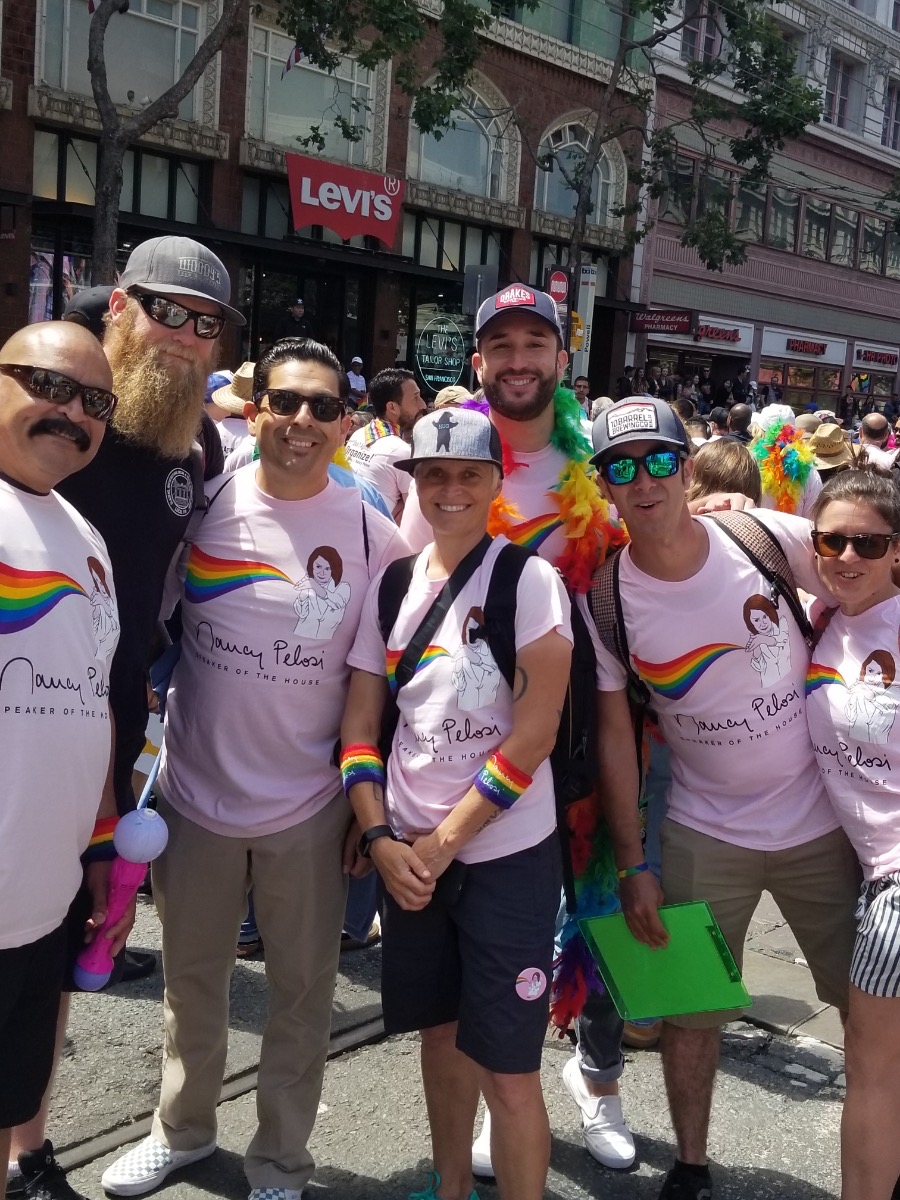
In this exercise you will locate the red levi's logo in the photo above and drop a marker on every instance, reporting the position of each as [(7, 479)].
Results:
[(513, 296), (348, 201)]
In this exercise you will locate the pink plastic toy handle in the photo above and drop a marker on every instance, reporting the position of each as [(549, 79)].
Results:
[(94, 964)]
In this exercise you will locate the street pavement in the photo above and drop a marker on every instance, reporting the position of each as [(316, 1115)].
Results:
[(776, 1119)]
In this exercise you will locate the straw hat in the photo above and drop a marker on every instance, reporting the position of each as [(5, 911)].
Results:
[(808, 423), (232, 399), (830, 448)]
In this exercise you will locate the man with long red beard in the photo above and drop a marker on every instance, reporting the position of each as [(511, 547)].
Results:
[(165, 316)]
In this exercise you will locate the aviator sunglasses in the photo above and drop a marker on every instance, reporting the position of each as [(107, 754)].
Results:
[(866, 545), (173, 316), (60, 389), (659, 464), (284, 403)]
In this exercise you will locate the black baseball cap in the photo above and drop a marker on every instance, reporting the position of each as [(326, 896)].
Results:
[(88, 308), (637, 419), (518, 297)]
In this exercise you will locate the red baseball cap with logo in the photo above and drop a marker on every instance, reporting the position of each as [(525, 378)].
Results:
[(518, 297)]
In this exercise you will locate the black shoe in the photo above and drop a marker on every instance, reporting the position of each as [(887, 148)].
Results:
[(138, 964), (43, 1178), (684, 1185), (15, 1187)]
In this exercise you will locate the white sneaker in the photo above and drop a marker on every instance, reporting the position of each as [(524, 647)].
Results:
[(606, 1136), (481, 1150), (145, 1167)]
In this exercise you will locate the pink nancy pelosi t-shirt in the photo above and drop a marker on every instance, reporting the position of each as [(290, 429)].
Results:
[(457, 708), (272, 600), (852, 699), (530, 489), (727, 673)]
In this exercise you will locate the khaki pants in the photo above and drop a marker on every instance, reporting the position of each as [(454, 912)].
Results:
[(299, 891), (815, 885)]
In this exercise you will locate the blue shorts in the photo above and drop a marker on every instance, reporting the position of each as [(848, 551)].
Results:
[(480, 954)]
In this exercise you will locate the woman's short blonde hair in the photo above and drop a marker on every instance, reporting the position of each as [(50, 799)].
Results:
[(725, 465)]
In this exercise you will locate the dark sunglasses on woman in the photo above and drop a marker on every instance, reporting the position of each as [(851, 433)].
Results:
[(866, 545)]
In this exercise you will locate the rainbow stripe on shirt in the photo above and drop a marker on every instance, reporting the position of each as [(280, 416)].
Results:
[(533, 533), (818, 676), (208, 578), (392, 660), (27, 596), (674, 679)]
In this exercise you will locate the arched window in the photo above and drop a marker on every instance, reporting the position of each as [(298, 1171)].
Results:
[(553, 194), (470, 157)]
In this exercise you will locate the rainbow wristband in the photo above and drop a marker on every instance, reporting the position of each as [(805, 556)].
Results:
[(361, 764), (500, 782), (100, 848), (627, 872)]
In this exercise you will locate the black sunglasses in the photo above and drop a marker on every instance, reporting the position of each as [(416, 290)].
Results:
[(659, 464), (866, 545), (173, 316), (60, 389), (284, 403)]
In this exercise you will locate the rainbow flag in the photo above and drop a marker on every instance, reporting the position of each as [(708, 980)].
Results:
[(27, 596), (818, 676), (208, 578), (675, 679)]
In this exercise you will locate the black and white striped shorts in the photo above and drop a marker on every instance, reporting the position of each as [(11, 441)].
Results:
[(875, 968)]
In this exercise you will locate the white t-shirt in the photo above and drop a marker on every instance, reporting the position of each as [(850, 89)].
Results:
[(375, 462), (457, 708), (853, 695), (232, 432), (728, 688), (272, 599), (59, 627), (808, 496), (529, 489), (357, 382)]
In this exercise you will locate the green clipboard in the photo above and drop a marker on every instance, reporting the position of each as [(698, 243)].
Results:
[(694, 973)]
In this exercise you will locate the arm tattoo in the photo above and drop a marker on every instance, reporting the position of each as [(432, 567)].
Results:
[(492, 817), (521, 684)]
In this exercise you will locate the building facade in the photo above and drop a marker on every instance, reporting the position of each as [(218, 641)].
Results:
[(474, 198), (817, 301)]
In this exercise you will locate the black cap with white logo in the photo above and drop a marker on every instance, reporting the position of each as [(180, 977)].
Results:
[(637, 419)]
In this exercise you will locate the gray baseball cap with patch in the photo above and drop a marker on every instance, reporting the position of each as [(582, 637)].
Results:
[(637, 419), (179, 266), (453, 433)]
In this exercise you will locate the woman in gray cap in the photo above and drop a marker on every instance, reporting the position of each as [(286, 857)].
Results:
[(468, 644)]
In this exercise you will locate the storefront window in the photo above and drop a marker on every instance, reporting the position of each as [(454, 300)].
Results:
[(844, 236), (166, 31), (287, 105), (871, 384), (783, 216), (469, 157), (553, 194), (750, 211), (441, 340), (803, 377), (60, 268), (46, 164), (802, 384), (816, 220), (871, 254)]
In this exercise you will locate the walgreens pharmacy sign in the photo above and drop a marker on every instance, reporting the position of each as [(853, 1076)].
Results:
[(344, 199)]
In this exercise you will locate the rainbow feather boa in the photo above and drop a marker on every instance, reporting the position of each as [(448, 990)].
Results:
[(587, 525), (785, 461), (590, 532)]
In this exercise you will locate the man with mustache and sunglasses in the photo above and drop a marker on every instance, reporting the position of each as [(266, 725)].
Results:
[(170, 306), (721, 658), (274, 584), (55, 729)]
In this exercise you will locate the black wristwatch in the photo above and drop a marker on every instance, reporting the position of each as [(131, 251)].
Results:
[(372, 835)]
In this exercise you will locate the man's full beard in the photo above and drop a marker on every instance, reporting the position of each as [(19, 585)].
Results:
[(518, 411), (160, 395)]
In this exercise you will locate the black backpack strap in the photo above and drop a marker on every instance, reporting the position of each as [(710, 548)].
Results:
[(605, 602), (393, 587), (500, 608), (365, 532), (764, 550), (822, 621)]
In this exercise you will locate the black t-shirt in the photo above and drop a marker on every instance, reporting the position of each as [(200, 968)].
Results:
[(141, 504), (290, 327)]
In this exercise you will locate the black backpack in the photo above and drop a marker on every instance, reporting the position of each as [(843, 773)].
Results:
[(573, 759)]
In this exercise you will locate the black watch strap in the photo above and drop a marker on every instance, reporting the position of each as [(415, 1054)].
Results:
[(372, 835)]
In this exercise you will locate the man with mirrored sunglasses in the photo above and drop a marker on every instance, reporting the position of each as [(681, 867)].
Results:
[(724, 662), (272, 598), (58, 631)]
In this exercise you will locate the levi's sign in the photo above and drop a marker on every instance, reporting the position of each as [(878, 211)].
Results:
[(344, 199)]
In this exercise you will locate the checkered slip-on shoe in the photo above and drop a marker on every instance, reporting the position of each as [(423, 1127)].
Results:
[(145, 1167), (275, 1194)]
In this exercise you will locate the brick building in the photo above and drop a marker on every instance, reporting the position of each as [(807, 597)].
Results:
[(472, 198)]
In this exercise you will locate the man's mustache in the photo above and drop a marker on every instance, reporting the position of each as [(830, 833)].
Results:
[(63, 426)]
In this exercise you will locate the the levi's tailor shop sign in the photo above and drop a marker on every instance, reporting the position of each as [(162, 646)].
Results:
[(349, 201)]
